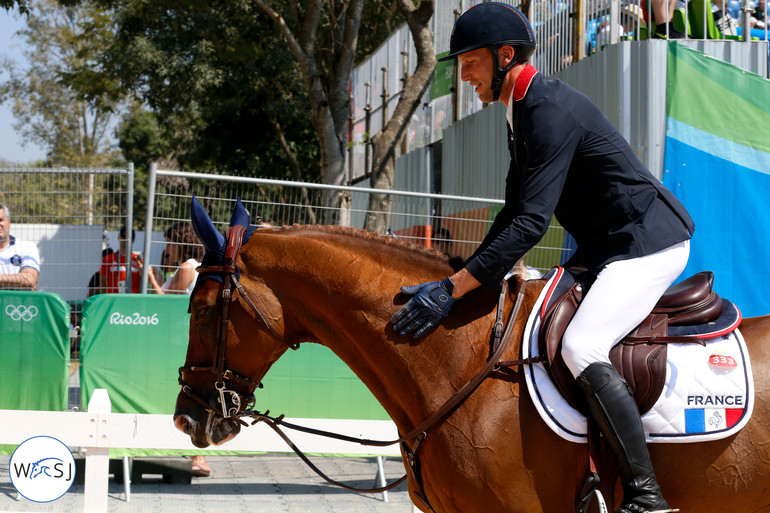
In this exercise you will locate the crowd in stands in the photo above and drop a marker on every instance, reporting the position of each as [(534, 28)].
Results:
[(679, 19)]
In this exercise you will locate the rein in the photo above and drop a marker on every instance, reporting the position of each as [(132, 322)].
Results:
[(235, 394), (499, 344)]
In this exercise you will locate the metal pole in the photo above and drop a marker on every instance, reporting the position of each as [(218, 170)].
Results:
[(579, 39), (367, 129), (379, 479), (324, 186), (351, 119), (456, 78), (148, 226), (130, 227), (745, 19), (614, 21), (385, 97)]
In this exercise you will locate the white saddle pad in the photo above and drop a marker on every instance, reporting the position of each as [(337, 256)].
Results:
[(709, 391)]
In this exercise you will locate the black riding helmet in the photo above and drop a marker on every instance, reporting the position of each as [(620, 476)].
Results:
[(492, 25)]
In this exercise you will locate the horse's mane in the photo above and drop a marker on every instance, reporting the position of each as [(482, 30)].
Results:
[(365, 237)]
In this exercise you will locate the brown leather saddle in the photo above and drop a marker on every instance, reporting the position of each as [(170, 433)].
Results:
[(640, 357)]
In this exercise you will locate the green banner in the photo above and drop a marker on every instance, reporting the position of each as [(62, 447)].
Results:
[(132, 345), (717, 98), (443, 79), (35, 349), (313, 382)]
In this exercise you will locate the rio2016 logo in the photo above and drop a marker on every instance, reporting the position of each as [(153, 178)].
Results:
[(21, 312), (135, 319), (42, 469)]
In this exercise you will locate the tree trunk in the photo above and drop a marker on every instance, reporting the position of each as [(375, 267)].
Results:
[(328, 93), (385, 143)]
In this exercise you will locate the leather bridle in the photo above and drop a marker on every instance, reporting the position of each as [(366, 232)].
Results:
[(234, 394)]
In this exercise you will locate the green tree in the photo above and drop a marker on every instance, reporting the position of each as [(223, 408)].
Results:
[(62, 101), (21, 5), (226, 92)]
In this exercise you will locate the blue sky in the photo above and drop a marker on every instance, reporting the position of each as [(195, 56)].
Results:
[(11, 46)]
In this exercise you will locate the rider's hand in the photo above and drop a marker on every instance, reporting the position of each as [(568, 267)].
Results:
[(432, 302)]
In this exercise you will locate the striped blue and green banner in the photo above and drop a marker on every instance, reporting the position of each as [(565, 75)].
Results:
[(718, 163)]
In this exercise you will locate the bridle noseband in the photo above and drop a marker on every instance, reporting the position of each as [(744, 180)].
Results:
[(234, 394)]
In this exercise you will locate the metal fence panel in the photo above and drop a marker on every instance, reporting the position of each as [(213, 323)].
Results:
[(72, 215), (475, 155), (452, 224)]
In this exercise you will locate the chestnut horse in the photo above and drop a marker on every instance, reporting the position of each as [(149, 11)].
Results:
[(339, 287)]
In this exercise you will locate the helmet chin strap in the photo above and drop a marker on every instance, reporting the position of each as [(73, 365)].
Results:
[(498, 74)]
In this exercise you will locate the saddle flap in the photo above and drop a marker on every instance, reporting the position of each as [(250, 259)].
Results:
[(653, 326), (643, 366), (556, 319)]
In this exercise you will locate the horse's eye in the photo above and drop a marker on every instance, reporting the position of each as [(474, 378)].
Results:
[(202, 313)]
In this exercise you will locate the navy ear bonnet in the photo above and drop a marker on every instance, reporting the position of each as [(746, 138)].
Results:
[(215, 242)]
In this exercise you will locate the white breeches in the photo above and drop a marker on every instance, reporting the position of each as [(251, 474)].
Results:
[(623, 294)]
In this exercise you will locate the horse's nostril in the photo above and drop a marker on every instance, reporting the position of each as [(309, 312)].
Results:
[(183, 424)]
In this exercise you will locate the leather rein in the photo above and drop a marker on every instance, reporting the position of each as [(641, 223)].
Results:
[(234, 396)]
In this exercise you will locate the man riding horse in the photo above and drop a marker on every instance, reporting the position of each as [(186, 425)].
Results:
[(632, 233)]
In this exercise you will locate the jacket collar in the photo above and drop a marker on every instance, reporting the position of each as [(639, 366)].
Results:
[(523, 81)]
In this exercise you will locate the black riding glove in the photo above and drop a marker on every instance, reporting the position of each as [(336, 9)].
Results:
[(432, 302)]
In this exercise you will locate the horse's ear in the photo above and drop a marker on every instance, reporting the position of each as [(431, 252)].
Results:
[(204, 228), (240, 215)]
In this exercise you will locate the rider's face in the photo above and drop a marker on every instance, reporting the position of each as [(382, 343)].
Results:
[(476, 69)]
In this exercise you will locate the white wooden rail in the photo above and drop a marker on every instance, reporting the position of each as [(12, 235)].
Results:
[(97, 430)]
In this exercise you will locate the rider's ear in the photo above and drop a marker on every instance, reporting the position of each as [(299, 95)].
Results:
[(212, 240)]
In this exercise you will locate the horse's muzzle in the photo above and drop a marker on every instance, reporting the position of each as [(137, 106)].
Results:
[(202, 426)]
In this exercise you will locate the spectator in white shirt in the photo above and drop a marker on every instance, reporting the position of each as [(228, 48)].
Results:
[(19, 260)]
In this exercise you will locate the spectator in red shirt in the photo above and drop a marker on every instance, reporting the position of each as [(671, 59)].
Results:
[(112, 273)]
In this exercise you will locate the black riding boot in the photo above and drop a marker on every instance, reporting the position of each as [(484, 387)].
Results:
[(614, 410)]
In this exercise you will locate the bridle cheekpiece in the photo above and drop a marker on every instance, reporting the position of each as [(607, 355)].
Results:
[(234, 396)]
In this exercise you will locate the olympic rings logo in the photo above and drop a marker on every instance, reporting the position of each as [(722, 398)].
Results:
[(21, 312)]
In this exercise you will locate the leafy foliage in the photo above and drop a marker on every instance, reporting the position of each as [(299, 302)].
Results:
[(216, 77), (62, 101), (214, 85)]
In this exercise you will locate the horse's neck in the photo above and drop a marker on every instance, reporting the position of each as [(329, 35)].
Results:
[(344, 298)]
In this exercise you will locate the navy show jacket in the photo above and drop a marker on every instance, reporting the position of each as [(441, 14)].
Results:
[(567, 159)]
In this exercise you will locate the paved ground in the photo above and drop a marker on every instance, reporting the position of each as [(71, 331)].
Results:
[(248, 484)]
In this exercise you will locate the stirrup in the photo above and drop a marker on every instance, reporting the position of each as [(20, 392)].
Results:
[(633, 508), (591, 491)]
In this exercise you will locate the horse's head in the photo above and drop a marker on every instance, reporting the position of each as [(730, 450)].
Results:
[(219, 379)]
